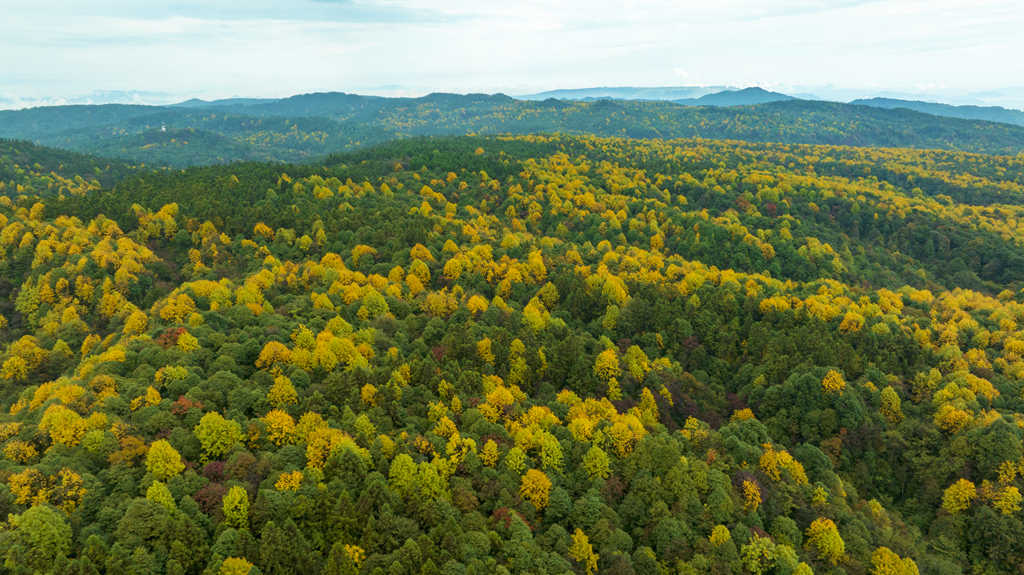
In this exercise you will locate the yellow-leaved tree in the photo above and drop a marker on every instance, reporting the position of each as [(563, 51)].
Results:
[(163, 461), (235, 506), (235, 566), (217, 435), (596, 462), (583, 552), (823, 536), (606, 365), (886, 562), (833, 382), (535, 488), (958, 496)]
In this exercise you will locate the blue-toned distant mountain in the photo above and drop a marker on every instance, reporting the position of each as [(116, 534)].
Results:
[(670, 93), (987, 113), (307, 126), (745, 97), (224, 103)]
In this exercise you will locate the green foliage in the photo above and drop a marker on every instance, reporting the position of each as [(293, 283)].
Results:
[(651, 356), (158, 493), (217, 435), (163, 461), (596, 462), (39, 539), (310, 125), (236, 507)]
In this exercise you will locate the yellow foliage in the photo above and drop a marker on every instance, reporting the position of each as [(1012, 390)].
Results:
[(742, 414), (583, 552), (852, 322), (14, 368), (323, 442), (235, 566), (751, 495), (290, 481), (477, 304), (824, 537), (535, 488), (489, 453), (891, 405), (1008, 500), (280, 427), (178, 308), (273, 352), (282, 392), (885, 562), (773, 462), (356, 553), (719, 535), (9, 429), (20, 451), (483, 350), (64, 426), (163, 461), (606, 365), (187, 342), (952, 419), (833, 382), (958, 496)]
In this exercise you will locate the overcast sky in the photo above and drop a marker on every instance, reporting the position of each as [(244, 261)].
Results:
[(66, 50)]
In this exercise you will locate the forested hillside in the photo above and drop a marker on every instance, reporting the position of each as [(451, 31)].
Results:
[(515, 355), (988, 113), (29, 169), (310, 126)]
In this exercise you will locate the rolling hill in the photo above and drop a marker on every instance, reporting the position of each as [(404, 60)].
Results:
[(745, 97), (309, 126), (626, 93), (515, 354), (987, 113)]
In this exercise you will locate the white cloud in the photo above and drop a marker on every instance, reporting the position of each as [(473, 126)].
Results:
[(63, 48)]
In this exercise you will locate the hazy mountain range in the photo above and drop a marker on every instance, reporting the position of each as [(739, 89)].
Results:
[(307, 126), (744, 97), (988, 113), (627, 93)]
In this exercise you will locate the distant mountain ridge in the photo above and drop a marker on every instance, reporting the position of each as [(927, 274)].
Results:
[(745, 97), (307, 126), (626, 93), (199, 103), (987, 113)]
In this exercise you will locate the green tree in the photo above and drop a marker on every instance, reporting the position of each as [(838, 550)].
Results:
[(158, 493), (596, 462), (236, 507), (163, 461), (40, 538), (339, 561), (824, 537), (402, 475), (217, 435)]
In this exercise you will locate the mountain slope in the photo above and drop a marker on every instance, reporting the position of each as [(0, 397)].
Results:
[(626, 93), (987, 113), (224, 103), (46, 171), (519, 354), (306, 126), (745, 97)]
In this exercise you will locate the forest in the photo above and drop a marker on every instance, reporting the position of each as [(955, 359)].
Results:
[(518, 354), (307, 127)]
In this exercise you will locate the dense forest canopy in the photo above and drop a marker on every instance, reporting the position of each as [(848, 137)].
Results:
[(516, 354), (309, 126)]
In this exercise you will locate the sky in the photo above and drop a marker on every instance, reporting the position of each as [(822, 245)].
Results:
[(151, 51)]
